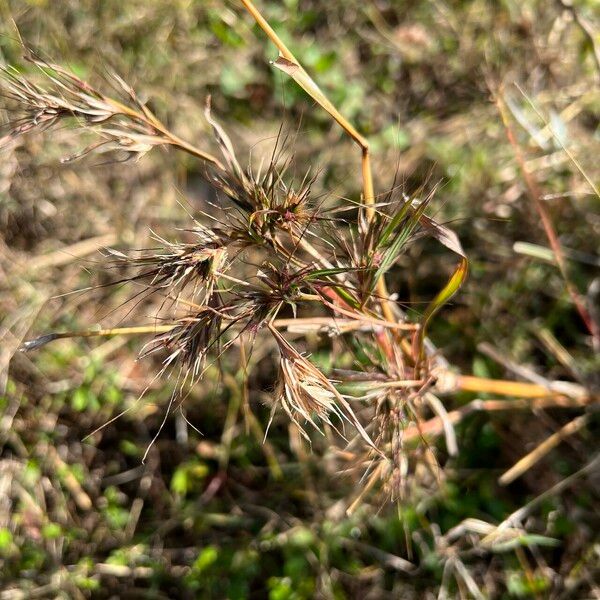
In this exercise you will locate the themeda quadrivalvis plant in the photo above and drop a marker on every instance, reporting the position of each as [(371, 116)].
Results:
[(271, 259)]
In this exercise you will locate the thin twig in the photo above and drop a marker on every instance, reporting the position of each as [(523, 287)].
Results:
[(435, 426), (535, 195), (525, 463), (519, 515)]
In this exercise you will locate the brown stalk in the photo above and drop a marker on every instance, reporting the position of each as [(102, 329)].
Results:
[(535, 194)]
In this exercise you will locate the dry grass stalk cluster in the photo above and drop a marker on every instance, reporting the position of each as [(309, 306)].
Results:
[(268, 250)]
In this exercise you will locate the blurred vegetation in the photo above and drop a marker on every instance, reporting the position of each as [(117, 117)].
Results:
[(221, 514)]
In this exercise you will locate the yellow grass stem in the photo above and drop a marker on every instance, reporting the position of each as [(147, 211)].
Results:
[(519, 389), (530, 459), (149, 119)]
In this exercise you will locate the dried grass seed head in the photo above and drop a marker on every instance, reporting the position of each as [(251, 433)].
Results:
[(190, 341), (179, 267), (303, 391), (127, 126)]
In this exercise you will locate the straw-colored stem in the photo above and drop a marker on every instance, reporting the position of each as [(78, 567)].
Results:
[(337, 323), (358, 320), (481, 385), (368, 189), (395, 385), (373, 479), (369, 198), (365, 317), (435, 426), (288, 55), (525, 463), (264, 25), (149, 119)]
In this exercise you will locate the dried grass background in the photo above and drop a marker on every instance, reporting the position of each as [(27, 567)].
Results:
[(224, 513)]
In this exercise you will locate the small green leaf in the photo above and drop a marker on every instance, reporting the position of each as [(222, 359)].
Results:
[(207, 557), (6, 539), (453, 285), (51, 531), (80, 399), (179, 482), (327, 272), (401, 235)]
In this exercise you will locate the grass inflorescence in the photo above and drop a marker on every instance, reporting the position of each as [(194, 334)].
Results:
[(294, 306)]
